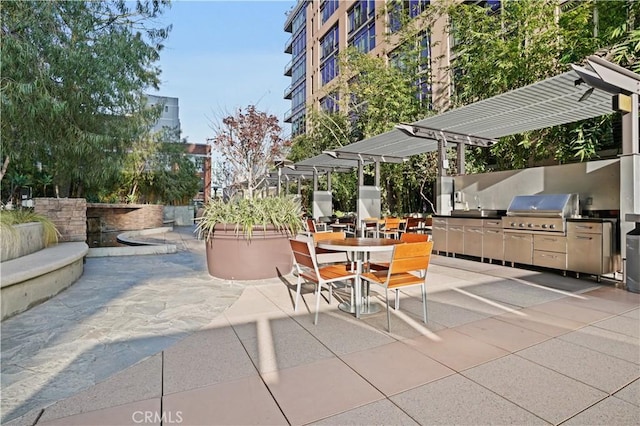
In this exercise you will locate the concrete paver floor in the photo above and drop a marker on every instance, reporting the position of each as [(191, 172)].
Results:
[(164, 343), (122, 310)]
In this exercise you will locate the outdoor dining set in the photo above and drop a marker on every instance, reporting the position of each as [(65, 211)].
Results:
[(407, 243)]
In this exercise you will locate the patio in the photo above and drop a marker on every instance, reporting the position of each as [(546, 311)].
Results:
[(130, 344)]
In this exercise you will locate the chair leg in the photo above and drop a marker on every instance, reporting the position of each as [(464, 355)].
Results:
[(318, 296), (386, 295), (397, 299), (424, 302), (295, 308)]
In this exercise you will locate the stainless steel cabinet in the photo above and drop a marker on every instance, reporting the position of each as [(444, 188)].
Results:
[(591, 248), (518, 247), (473, 239), (493, 239), (455, 236), (439, 234)]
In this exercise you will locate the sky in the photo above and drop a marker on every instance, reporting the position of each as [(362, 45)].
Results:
[(224, 55)]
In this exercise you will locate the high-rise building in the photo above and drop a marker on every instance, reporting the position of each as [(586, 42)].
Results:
[(170, 114), (321, 29)]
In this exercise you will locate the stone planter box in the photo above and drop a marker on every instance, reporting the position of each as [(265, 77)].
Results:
[(23, 239), (233, 257)]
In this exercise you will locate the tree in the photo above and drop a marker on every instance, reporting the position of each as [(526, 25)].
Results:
[(529, 41), (250, 140), (72, 80)]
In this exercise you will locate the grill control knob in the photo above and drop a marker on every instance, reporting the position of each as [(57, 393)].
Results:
[(530, 225), (544, 226), (512, 224), (521, 225), (552, 226)]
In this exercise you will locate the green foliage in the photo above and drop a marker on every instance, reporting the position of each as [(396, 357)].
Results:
[(72, 78), (9, 218), (246, 214), (378, 95), (527, 42)]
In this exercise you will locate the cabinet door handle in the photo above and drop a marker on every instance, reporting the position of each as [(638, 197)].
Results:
[(579, 237)]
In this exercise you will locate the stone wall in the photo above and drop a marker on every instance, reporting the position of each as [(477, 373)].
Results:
[(67, 214), (123, 217)]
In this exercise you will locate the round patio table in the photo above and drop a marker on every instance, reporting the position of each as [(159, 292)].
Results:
[(358, 248)]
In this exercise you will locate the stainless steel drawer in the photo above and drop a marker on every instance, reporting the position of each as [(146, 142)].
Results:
[(556, 243), (584, 227), (550, 259), (492, 223)]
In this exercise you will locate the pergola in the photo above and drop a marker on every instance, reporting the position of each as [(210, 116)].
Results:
[(597, 89)]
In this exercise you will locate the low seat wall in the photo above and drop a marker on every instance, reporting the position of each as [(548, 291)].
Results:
[(36, 277)]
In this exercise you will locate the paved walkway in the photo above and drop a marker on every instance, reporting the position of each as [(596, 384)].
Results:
[(164, 343), (121, 311)]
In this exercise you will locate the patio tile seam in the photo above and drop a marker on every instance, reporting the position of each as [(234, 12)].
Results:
[(514, 402), (583, 410), (246, 351), (339, 357), (576, 379)]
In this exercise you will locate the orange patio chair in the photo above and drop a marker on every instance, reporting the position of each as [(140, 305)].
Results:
[(308, 270), (408, 267)]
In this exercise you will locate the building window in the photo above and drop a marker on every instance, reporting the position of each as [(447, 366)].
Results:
[(299, 21), (299, 70), (329, 69), (328, 55), (166, 108), (327, 7), (329, 43), (360, 14), (399, 9), (299, 44), (329, 104), (298, 97), (365, 39)]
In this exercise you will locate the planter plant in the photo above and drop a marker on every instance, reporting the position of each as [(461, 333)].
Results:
[(23, 231), (248, 239)]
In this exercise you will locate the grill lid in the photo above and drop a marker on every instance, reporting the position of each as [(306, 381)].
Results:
[(548, 205)]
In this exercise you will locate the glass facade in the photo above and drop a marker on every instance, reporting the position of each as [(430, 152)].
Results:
[(361, 26), (327, 8), (298, 51), (329, 104), (329, 55), (360, 14), (408, 8), (365, 39)]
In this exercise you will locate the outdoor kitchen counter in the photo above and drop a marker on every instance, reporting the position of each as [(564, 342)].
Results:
[(592, 219), (468, 216)]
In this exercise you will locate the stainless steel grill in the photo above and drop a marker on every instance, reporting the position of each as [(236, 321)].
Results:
[(540, 213)]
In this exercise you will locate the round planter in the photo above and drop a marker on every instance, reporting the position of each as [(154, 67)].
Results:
[(231, 256)]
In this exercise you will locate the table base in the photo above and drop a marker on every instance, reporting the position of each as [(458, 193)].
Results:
[(373, 308)]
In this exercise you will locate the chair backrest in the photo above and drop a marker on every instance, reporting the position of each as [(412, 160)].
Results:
[(411, 257), (391, 223), (410, 237), (324, 236), (303, 253), (311, 225), (412, 222)]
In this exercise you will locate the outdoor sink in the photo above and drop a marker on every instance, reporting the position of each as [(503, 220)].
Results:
[(474, 213)]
